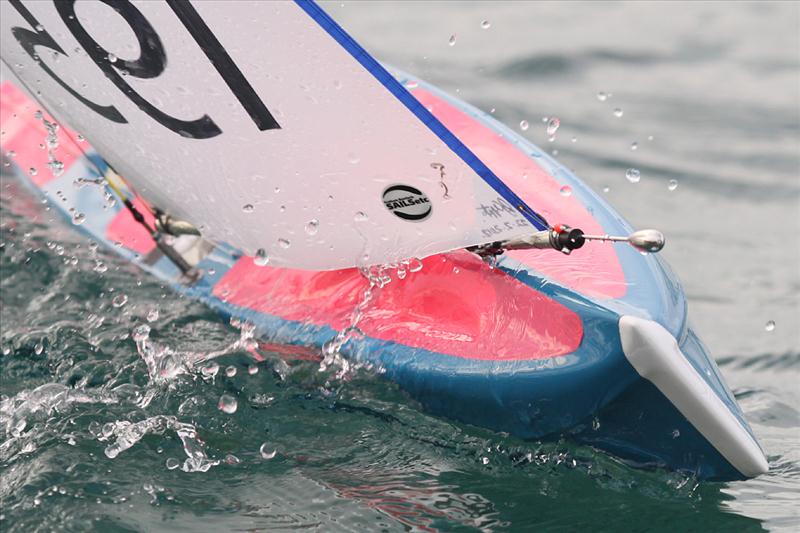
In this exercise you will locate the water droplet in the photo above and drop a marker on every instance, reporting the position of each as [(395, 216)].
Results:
[(602, 96), (210, 370), (252, 370), (284, 243), (140, 333), (633, 175), (227, 404), (552, 126), (119, 300), (277, 190), (230, 371), (248, 208), (361, 217), (353, 158), (618, 112), (770, 326), (232, 459), (80, 138), (574, 139), (266, 452), (595, 423), (152, 314), (111, 58), (261, 258), (32, 171), (634, 146), (78, 218), (606, 189), (11, 153), (486, 24), (676, 433), (411, 84), (452, 40), (414, 265), (172, 463), (38, 348), (312, 227), (672, 185), (100, 267), (566, 190), (523, 125), (485, 460)]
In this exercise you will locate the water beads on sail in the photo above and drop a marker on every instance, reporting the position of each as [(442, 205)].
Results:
[(553, 124), (633, 175)]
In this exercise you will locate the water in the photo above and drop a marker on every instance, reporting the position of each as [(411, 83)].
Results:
[(710, 92)]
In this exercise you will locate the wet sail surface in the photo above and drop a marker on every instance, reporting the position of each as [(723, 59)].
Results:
[(264, 125)]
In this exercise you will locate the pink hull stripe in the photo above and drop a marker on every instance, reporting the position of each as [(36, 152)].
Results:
[(23, 134), (596, 270), (455, 305)]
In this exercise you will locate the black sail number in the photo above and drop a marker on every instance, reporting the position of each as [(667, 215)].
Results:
[(151, 63), (29, 40), (230, 73)]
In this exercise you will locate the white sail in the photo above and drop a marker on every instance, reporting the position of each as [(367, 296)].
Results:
[(263, 124)]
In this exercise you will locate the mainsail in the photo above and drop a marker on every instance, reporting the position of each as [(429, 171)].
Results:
[(264, 124)]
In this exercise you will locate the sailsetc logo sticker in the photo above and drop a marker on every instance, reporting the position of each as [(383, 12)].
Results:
[(407, 202)]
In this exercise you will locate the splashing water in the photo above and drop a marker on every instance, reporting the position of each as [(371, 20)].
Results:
[(164, 364), (18, 411), (377, 277), (127, 434), (51, 142)]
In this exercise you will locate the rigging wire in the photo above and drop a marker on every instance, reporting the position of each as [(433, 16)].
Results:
[(108, 180)]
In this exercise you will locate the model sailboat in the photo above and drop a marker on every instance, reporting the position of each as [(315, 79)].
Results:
[(266, 128)]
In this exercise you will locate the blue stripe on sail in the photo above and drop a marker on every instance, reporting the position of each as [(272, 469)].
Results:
[(407, 99)]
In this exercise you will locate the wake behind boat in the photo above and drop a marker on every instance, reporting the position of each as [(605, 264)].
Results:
[(594, 344)]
